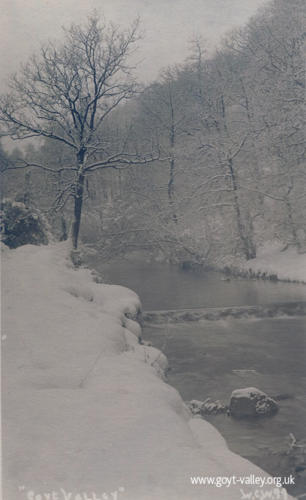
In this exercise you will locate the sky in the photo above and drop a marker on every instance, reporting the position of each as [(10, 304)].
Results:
[(167, 26)]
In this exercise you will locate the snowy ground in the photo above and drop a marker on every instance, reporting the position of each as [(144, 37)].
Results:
[(288, 264), (86, 413)]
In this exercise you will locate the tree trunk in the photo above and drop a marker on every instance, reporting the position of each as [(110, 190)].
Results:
[(248, 246), (78, 198), (292, 226), (64, 234), (172, 164), (78, 202), (171, 189), (27, 189)]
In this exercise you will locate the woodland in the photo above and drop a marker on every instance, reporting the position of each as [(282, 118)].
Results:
[(205, 162)]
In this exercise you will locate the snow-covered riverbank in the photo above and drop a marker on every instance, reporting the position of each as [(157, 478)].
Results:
[(85, 408), (272, 259), (287, 264)]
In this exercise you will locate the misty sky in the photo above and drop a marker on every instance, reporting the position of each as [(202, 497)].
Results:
[(168, 26)]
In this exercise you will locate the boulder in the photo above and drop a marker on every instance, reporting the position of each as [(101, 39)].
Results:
[(251, 402), (206, 407), (195, 406)]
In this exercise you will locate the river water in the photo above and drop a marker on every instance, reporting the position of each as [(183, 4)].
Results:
[(167, 286), (212, 358)]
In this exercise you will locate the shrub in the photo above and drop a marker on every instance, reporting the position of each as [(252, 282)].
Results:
[(21, 225)]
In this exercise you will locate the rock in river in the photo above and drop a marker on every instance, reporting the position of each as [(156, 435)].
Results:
[(251, 402), (206, 407)]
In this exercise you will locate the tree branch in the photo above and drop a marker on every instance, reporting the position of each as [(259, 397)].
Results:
[(26, 164)]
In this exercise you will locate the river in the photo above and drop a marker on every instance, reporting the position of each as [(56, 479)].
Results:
[(212, 358), (167, 286)]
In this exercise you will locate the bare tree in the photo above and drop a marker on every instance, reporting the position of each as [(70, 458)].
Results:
[(66, 94), (163, 115), (223, 134)]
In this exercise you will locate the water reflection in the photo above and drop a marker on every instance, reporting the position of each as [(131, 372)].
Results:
[(167, 286)]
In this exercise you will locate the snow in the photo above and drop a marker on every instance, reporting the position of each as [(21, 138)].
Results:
[(86, 409), (288, 264), (247, 392)]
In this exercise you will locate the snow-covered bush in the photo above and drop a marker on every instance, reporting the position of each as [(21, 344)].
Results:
[(20, 225)]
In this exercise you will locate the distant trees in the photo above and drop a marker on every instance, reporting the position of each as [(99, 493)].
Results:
[(230, 128), (249, 120), (273, 46), (240, 147), (162, 112), (66, 94), (223, 134)]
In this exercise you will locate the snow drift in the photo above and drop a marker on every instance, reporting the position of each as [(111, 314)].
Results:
[(86, 412)]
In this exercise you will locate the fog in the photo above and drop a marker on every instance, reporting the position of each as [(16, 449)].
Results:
[(167, 26)]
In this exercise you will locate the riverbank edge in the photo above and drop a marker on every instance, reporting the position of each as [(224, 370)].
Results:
[(244, 270)]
